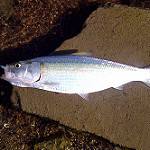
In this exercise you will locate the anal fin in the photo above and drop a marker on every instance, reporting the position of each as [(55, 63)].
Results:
[(147, 83), (119, 87), (84, 96)]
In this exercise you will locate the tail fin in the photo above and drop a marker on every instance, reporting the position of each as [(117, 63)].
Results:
[(147, 81)]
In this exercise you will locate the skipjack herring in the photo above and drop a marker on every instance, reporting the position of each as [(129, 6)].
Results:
[(73, 74)]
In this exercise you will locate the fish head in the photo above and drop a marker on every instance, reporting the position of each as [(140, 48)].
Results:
[(24, 72)]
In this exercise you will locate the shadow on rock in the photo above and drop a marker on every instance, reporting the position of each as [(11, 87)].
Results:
[(5, 93)]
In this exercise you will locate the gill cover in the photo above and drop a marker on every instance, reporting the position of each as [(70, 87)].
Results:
[(25, 72)]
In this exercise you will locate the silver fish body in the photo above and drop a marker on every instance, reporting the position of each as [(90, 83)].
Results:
[(73, 74)]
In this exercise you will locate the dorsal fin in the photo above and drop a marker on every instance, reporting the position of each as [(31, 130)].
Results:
[(86, 54), (64, 52), (71, 52)]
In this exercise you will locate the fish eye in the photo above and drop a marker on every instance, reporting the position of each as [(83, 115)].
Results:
[(17, 65)]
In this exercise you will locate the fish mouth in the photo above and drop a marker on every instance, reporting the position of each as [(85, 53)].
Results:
[(3, 67), (7, 75)]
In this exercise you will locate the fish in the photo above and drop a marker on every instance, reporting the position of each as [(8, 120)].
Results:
[(73, 74)]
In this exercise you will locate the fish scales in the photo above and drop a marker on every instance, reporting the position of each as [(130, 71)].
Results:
[(82, 74)]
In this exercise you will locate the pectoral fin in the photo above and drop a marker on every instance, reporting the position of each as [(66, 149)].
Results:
[(50, 84)]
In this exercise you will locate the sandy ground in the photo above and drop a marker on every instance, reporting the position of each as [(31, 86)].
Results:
[(120, 34)]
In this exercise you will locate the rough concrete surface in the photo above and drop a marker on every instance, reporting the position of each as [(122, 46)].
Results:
[(120, 34)]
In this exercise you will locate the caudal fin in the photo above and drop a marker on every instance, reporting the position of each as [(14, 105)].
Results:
[(147, 81)]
